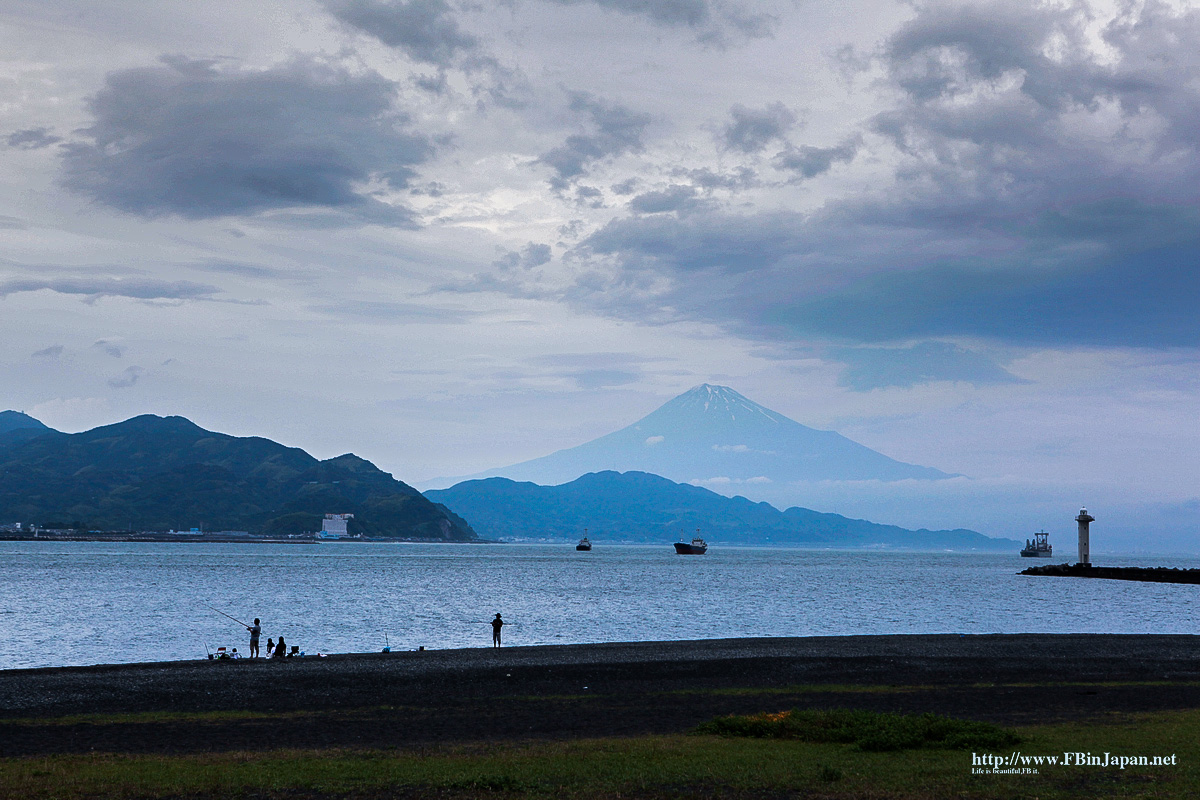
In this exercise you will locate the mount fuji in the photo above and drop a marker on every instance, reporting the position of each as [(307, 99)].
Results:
[(713, 434)]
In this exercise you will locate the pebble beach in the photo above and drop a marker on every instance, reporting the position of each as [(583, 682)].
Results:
[(557, 692)]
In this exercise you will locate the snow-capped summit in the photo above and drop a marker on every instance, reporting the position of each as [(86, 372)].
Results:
[(709, 399), (715, 436)]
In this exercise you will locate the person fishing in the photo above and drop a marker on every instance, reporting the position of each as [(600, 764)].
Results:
[(497, 624), (255, 630)]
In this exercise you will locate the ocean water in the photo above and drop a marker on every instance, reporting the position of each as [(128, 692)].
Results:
[(88, 603)]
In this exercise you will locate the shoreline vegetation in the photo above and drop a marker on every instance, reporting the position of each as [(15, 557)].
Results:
[(852, 717), (219, 537)]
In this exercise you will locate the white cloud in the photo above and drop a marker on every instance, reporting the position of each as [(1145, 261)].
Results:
[(72, 414)]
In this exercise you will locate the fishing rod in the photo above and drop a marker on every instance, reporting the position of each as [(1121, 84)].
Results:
[(223, 614)]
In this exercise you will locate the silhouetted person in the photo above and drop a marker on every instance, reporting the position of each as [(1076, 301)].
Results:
[(497, 624), (280, 649), (270, 647), (255, 630)]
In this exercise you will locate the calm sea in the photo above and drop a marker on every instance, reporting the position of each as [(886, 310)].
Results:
[(89, 603)]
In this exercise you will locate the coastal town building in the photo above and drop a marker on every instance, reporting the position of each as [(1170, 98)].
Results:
[(334, 526)]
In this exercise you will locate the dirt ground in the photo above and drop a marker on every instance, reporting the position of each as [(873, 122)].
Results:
[(409, 700)]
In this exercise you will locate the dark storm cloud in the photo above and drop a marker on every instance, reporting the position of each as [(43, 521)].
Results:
[(698, 242), (626, 187), (93, 288), (714, 21), (752, 129), (690, 13), (426, 30), (757, 273), (32, 139), (677, 197), (879, 367), (1134, 299), (1040, 194), (200, 140), (809, 162), (438, 83), (531, 255), (738, 179), (986, 111), (617, 130)]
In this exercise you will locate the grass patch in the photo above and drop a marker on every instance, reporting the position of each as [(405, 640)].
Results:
[(642, 768), (872, 688), (824, 688), (868, 730)]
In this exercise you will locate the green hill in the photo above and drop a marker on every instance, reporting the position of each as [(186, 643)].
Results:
[(161, 473)]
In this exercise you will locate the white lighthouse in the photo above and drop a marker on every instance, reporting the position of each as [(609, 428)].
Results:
[(1085, 556)]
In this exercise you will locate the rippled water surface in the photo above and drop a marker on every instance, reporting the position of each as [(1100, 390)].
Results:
[(87, 603)]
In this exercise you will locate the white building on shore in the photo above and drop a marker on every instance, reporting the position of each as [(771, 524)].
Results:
[(334, 526)]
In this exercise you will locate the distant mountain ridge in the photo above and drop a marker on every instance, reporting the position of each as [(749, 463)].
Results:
[(160, 473), (16, 426), (639, 507), (17, 420), (713, 433)]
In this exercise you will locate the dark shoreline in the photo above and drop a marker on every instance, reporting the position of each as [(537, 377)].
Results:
[(573, 691), (367, 678)]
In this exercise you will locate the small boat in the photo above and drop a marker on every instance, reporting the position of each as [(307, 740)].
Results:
[(697, 547), (1038, 547), (584, 545)]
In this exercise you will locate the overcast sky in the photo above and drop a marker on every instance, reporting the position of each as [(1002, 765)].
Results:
[(449, 236)]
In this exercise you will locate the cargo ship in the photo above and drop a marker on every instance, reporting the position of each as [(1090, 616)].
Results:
[(697, 547), (1038, 546)]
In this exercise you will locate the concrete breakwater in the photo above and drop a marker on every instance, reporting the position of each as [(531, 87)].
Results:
[(1144, 574)]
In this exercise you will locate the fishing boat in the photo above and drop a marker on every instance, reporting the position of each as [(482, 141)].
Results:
[(584, 545), (1038, 547), (697, 547)]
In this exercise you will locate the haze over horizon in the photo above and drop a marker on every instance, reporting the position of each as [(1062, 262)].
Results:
[(449, 236)]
